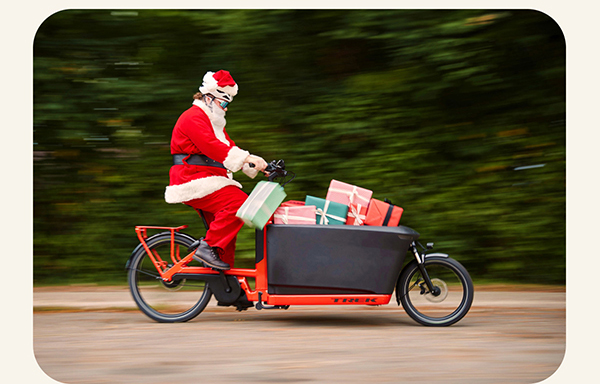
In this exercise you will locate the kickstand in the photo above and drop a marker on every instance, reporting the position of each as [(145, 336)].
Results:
[(260, 305)]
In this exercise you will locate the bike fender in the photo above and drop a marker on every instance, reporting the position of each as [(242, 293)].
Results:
[(136, 249), (436, 254)]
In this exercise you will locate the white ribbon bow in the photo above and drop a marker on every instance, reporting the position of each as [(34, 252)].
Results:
[(324, 220), (352, 194), (323, 212), (355, 212), (284, 217)]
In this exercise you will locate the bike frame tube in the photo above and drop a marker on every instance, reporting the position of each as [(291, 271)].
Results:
[(180, 265), (261, 279), (259, 273), (350, 299)]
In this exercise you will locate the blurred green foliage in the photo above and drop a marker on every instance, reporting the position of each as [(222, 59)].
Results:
[(458, 116)]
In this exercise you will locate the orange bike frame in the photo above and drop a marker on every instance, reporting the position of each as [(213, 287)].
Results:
[(259, 273)]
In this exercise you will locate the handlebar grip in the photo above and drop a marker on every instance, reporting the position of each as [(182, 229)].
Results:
[(252, 165)]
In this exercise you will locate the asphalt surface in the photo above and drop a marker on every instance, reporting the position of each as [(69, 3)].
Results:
[(97, 335)]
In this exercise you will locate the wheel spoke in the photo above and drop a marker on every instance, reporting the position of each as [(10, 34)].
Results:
[(148, 273), (411, 287)]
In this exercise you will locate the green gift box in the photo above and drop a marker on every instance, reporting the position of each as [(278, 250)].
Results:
[(328, 212), (261, 204)]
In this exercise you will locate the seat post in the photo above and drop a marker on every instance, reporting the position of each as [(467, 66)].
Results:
[(203, 218)]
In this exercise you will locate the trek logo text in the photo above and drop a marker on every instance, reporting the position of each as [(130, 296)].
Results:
[(367, 300)]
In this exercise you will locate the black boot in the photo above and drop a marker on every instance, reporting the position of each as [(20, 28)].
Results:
[(207, 255)]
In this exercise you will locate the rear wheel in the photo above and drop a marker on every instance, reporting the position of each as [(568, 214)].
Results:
[(166, 302), (447, 303)]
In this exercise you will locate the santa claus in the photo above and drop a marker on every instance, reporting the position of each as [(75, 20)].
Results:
[(204, 158)]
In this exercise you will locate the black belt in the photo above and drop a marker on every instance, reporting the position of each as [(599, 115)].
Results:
[(196, 160)]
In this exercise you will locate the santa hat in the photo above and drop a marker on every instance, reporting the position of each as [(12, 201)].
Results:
[(219, 84)]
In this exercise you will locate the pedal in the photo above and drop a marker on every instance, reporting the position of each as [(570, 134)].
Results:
[(194, 245)]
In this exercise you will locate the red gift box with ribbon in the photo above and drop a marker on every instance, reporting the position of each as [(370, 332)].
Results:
[(357, 214), (383, 214)]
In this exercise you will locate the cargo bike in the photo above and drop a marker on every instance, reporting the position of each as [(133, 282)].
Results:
[(301, 265)]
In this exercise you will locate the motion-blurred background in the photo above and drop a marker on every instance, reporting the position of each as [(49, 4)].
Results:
[(458, 116)]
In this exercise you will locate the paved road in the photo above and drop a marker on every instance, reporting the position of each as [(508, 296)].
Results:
[(91, 335)]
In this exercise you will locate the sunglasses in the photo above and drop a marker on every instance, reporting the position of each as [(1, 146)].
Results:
[(222, 102)]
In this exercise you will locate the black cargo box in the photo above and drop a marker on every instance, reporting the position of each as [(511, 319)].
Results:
[(336, 259)]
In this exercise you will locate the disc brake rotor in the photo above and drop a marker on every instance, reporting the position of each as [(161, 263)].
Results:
[(441, 285), (173, 285)]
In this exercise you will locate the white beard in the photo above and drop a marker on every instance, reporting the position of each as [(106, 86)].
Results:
[(217, 119)]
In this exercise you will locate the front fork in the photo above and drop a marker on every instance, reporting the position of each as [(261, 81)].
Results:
[(421, 264)]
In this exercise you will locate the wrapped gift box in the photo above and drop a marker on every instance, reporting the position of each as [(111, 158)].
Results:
[(305, 214), (383, 214), (347, 194), (292, 203), (357, 214), (261, 204), (328, 212)]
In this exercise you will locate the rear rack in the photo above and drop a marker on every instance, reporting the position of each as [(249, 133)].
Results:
[(161, 265), (141, 230)]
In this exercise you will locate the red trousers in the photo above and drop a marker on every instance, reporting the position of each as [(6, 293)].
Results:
[(219, 210)]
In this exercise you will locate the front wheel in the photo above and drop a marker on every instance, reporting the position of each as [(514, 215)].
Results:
[(165, 302), (450, 299)]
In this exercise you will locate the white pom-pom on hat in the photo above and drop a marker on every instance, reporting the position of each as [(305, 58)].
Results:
[(219, 84)]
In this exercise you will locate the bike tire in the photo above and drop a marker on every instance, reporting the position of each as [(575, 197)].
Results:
[(162, 301), (439, 270)]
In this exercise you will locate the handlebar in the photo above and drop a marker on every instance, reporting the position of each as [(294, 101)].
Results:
[(276, 169)]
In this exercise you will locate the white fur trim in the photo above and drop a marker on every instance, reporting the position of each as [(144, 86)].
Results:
[(250, 172), (232, 91), (235, 159), (197, 188), (210, 85)]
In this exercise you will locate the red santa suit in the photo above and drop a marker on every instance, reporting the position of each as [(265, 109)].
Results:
[(210, 189)]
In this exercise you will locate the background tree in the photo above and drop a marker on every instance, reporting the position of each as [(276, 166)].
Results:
[(457, 116)]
